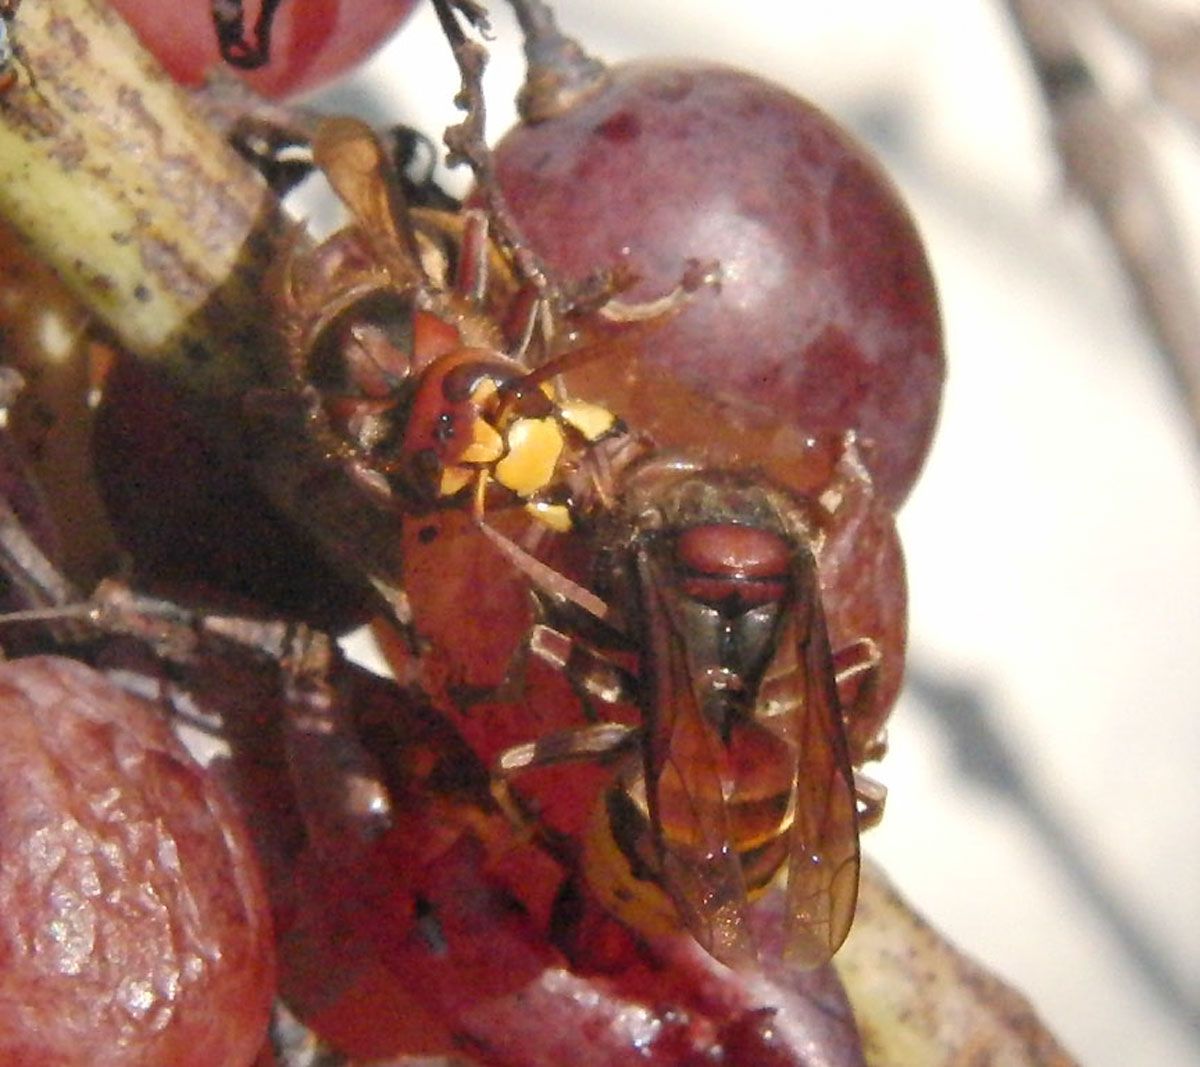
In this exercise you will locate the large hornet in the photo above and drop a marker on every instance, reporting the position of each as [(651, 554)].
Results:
[(433, 373)]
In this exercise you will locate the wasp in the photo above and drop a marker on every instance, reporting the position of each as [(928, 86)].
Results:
[(739, 767), (413, 340), (432, 371)]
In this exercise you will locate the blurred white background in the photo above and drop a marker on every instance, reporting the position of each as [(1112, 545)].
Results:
[(1043, 771)]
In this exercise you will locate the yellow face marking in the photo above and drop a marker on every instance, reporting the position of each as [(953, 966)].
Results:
[(591, 420), (454, 479), (556, 516), (534, 448), (486, 445)]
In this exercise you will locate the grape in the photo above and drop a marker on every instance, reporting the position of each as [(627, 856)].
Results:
[(826, 319), (434, 902), (189, 513), (865, 595), (44, 336), (312, 41), (133, 921)]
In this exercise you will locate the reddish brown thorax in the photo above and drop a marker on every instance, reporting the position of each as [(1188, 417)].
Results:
[(731, 567)]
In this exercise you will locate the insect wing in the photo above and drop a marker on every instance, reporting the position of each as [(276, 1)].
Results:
[(687, 781), (799, 694), (360, 171)]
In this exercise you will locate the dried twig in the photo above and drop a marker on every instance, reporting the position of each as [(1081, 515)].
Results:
[(560, 73), (1169, 40), (1108, 160), (467, 142)]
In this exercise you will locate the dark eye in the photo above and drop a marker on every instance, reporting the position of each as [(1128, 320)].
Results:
[(443, 429), (365, 349)]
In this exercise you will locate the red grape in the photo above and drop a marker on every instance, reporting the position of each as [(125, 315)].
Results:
[(187, 512), (312, 41), (44, 335), (450, 896), (134, 927), (826, 319)]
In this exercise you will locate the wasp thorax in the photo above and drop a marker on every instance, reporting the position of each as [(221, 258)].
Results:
[(677, 495), (733, 567)]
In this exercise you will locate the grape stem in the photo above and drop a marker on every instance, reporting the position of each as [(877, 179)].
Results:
[(1107, 158), (466, 142), (560, 73), (109, 175), (113, 176)]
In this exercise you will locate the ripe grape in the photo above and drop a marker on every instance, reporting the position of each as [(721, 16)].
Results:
[(134, 927), (312, 41), (44, 336), (187, 512), (826, 318)]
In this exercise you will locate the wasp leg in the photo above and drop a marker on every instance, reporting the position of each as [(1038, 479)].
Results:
[(871, 796), (338, 785), (471, 271), (590, 672), (545, 579), (599, 742), (857, 668)]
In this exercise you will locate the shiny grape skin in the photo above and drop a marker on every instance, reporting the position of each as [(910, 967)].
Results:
[(134, 928), (826, 318)]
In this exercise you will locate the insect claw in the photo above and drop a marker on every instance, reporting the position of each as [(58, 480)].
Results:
[(870, 797)]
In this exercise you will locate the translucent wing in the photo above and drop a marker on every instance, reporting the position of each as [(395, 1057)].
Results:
[(799, 696), (360, 171), (687, 782)]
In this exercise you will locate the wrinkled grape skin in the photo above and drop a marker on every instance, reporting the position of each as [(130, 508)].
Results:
[(313, 40), (133, 921), (826, 318)]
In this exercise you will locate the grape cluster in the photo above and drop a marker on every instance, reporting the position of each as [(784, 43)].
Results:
[(815, 364)]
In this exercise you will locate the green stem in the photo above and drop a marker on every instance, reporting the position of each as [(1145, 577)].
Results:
[(111, 176)]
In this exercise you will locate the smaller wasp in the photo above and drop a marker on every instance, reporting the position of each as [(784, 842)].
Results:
[(415, 341), (740, 767)]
